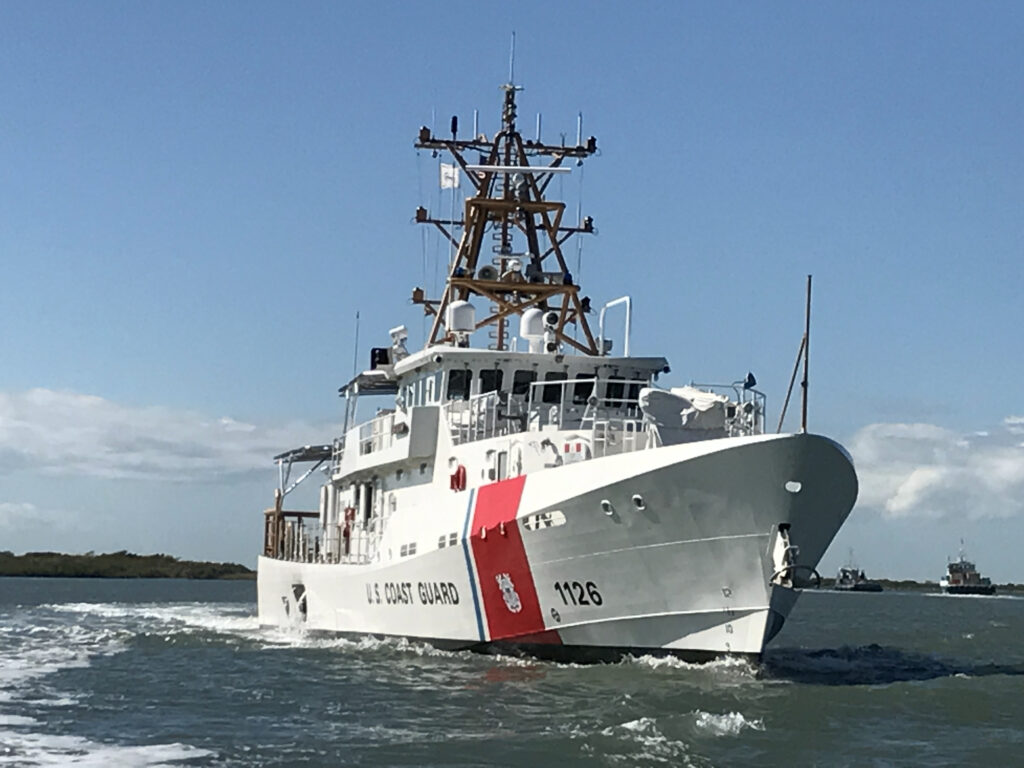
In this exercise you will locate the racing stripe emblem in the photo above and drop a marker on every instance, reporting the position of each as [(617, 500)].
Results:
[(507, 590)]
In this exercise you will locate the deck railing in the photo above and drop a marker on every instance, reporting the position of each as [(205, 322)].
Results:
[(377, 434), (482, 416), (570, 403), (608, 408), (287, 536)]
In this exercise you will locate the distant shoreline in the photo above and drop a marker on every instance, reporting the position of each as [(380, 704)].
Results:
[(116, 565)]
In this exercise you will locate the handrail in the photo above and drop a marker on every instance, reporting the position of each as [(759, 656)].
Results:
[(491, 414), (377, 433), (478, 417)]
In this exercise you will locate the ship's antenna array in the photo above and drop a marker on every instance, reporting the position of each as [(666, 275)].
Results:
[(512, 60), (506, 203)]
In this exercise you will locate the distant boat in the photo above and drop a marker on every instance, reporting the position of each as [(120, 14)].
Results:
[(850, 579), (962, 578)]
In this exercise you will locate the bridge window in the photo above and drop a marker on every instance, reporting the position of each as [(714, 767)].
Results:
[(521, 381), (613, 394), (490, 380), (583, 389), (433, 389), (553, 392), (458, 384)]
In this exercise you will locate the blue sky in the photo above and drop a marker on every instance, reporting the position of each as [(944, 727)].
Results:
[(195, 199)]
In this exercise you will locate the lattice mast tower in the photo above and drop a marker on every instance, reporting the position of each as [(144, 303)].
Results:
[(509, 198)]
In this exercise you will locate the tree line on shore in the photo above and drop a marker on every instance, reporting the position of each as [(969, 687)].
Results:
[(117, 565)]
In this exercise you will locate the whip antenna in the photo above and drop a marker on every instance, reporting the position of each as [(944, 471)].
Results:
[(512, 60)]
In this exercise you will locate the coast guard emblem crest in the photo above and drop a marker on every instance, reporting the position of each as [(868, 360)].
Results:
[(508, 592)]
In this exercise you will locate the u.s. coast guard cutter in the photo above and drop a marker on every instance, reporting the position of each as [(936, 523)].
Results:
[(541, 493)]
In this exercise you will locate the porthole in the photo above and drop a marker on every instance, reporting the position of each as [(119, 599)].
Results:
[(793, 486)]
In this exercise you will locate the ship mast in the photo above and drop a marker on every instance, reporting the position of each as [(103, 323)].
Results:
[(509, 199)]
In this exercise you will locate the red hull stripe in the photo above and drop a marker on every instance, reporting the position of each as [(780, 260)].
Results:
[(506, 584)]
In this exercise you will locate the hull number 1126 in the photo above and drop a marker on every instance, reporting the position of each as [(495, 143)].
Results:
[(575, 593)]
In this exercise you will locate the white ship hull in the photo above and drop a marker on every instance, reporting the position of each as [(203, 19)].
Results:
[(671, 550)]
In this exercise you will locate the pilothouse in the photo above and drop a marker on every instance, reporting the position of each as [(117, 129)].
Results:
[(522, 486)]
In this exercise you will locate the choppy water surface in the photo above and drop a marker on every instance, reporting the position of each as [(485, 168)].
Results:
[(146, 673)]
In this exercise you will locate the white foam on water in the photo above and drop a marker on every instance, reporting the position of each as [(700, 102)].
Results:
[(997, 596), (38, 644), (17, 720), (416, 647), (224, 618), (27, 664), (641, 725), (725, 671), (106, 610), (726, 724), (284, 638), (35, 647), (731, 664), (653, 745), (63, 700), (298, 638), (529, 662), (37, 749)]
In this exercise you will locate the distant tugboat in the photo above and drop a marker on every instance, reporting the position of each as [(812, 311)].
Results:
[(962, 578), (852, 579)]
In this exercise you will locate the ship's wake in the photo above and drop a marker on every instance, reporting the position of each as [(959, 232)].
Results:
[(869, 665)]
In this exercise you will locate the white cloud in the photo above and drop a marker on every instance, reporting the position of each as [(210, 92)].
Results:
[(17, 514), (921, 470), (1014, 424), (21, 517), (71, 433)]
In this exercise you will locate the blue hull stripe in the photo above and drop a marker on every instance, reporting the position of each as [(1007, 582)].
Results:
[(469, 564)]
